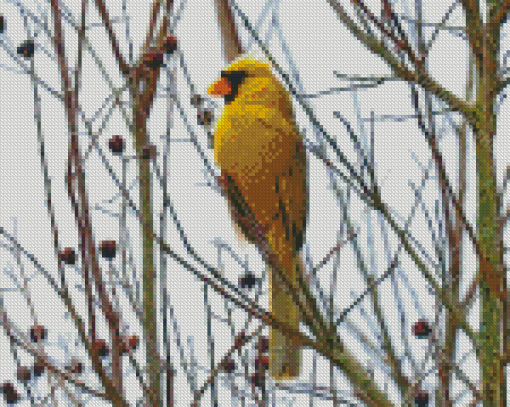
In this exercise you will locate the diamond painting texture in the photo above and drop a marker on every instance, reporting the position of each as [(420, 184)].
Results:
[(253, 203), (263, 176)]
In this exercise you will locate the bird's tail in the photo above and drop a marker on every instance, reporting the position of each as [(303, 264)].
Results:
[(284, 353)]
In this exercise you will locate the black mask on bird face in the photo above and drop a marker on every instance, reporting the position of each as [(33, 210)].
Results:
[(236, 78)]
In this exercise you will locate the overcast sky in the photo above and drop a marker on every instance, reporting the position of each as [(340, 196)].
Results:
[(320, 46)]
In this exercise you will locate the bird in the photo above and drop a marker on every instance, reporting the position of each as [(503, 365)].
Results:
[(263, 163)]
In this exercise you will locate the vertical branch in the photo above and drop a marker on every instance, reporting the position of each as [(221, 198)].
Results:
[(450, 276), (143, 90), (333, 288), (169, 370), (163, 227), (140, 107), (229, 35), (156, 7), (210, 347), (474, 28), (455, 238), (143, 86), (143, 80), (387, 343), (491, 269), (88, 251), (123, 65)]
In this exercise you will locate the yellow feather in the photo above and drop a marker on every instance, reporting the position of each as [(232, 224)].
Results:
[(259, 148)]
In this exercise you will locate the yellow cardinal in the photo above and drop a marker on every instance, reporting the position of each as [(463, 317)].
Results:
[(264, 177)]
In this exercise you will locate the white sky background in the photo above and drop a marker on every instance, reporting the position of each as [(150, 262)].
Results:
[(320, 45)]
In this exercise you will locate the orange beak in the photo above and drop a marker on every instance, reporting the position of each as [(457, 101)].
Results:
[(221, 87)]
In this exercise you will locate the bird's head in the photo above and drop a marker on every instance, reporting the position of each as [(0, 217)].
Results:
[(236, 74)]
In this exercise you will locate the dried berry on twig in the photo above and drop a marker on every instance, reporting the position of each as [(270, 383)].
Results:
[(68, 256), (26, 49), (108, 249), (116, 145), (38, 333), (421, 329)]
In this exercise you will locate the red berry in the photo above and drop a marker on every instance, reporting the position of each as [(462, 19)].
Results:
[(10, 393), (241, 336), (39, 369), (229, 366), (23, 374), (421, 399), (68, 256), (149, 152), (108, 249), (170, 44), (26, 49), (102, 348), (37, 333), (261, 363), (258, 379), (153, 59), (123, 347), (116, 145), (248, 281), (12, 398), (129, 343), (7, 387), (133, 342), (421, 329)]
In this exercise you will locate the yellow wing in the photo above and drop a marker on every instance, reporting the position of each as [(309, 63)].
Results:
[(265, 164), (264, 178)]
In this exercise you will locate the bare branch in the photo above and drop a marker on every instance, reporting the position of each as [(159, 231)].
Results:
[(501, 14), (474, 28), (229, 35), (425, 80), (123, 65)]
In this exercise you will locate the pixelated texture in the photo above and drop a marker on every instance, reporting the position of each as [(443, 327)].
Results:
[(263, 169), (414, 348)]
